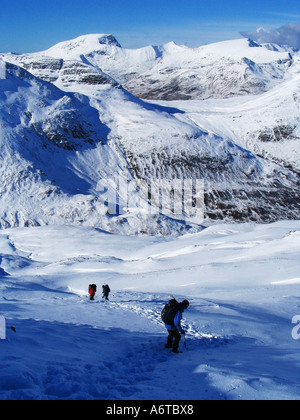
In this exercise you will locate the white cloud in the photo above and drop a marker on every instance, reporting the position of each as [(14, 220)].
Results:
[(285, 35)]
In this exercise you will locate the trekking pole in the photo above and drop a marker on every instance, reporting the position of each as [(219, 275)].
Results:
[(184, 341)]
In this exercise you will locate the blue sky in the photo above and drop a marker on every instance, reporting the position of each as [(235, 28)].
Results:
[(34, 25)]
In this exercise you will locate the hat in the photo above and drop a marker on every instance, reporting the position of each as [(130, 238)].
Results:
[(185, 304)]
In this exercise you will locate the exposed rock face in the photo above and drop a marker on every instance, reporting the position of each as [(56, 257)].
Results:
[(220, 79), (236, 186)]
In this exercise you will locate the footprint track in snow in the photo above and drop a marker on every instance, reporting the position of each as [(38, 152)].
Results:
[(138, 303)]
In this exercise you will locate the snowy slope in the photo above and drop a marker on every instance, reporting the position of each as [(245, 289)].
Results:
[(231, 68), (267, 124), (52, 147), (105, 52), (56, 148), (96, 53), (79, 46), (242, 282), (106, 132), (63, 150)]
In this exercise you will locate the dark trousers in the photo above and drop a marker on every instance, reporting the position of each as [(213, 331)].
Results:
[(174, 339)]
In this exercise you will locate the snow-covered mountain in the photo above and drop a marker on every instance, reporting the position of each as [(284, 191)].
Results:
[(268, 127), (169, 72), (58, 142), (220, 70), (267, 124), (44, 133)]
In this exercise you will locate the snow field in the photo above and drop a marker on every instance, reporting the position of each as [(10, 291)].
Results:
[(242, 282)]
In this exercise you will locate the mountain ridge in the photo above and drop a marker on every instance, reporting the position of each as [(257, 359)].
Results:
[(157, 72), (73, 125)]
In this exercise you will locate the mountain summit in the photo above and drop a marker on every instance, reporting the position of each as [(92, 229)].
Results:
[(82, 45)]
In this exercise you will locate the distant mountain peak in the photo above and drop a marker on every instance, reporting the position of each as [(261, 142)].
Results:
[(82, 45)]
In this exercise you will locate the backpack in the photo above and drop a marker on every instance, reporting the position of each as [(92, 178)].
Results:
[(93, 287), (169, 312), (107, 288)]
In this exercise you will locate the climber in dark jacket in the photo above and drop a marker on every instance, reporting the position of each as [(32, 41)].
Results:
[(106, 291), (175, 329)]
